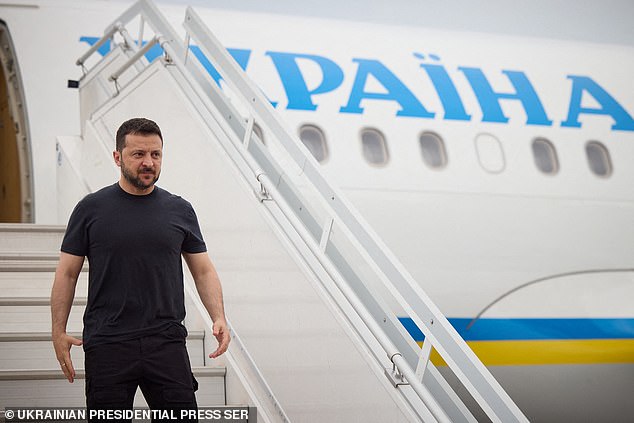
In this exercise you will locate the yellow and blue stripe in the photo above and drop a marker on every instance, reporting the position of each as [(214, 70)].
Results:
[(532, 341)]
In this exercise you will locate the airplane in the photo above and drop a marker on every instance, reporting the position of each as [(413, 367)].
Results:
[(496, 168)]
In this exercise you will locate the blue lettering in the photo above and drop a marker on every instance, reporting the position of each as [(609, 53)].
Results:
[(609, 106), (301, 97), (154, 52), (297, 92), (396, 91), (490, 100), (240, 56), (447, 92), (91, 41)]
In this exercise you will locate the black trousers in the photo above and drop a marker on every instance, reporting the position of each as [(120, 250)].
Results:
[(158, 364)]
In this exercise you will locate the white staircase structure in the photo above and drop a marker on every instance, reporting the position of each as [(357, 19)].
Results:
[(309, 288)]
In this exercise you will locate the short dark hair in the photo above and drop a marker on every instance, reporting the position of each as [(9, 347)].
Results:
[(137, 126)]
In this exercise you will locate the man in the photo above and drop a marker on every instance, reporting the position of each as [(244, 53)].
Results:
[(133, 234)]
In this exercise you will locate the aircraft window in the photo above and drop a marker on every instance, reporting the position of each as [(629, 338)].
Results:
[(259, 133), (545, 156), (490, 153), (374, 147), (433, 149), (598, 159), (314, 139)]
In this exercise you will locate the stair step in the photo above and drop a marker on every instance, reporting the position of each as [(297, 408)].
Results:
[(56, 374), (32, 228), (31, 261), (33, 350), (32, 265), (29, 255), (49, 388), (46, 336), (31, 336), (35, 284), (28, 318), (35, 301), (18, 237)]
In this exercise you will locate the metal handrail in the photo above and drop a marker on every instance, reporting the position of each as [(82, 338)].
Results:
[(107, 35), (390, 349), (237, 347), (136, 56)]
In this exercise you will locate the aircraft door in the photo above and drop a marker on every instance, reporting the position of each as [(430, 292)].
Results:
[(16, 188)]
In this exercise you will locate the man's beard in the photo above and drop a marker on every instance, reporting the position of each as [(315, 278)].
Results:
[(136, 180)]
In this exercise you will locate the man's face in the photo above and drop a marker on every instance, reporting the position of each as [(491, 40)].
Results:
[(140, 160)]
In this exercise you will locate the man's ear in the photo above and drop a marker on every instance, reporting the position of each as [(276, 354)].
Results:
[(116, 155)]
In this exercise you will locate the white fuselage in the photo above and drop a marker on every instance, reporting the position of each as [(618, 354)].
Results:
[(487, 234)]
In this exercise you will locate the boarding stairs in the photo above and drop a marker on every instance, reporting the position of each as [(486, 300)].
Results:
[(310, 289)]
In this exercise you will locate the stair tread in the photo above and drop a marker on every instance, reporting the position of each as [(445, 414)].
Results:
[(32, 228), (9, 336), (32, 265), (40, 374), (36, 301)]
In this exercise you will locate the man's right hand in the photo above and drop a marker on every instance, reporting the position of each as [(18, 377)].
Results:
[(62, 295), (62, 344)]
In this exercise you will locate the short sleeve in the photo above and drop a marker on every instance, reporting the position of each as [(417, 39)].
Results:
[(193, 242), (75, 240)]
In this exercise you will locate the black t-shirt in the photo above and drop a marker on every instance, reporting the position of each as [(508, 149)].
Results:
[(133, 244)]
